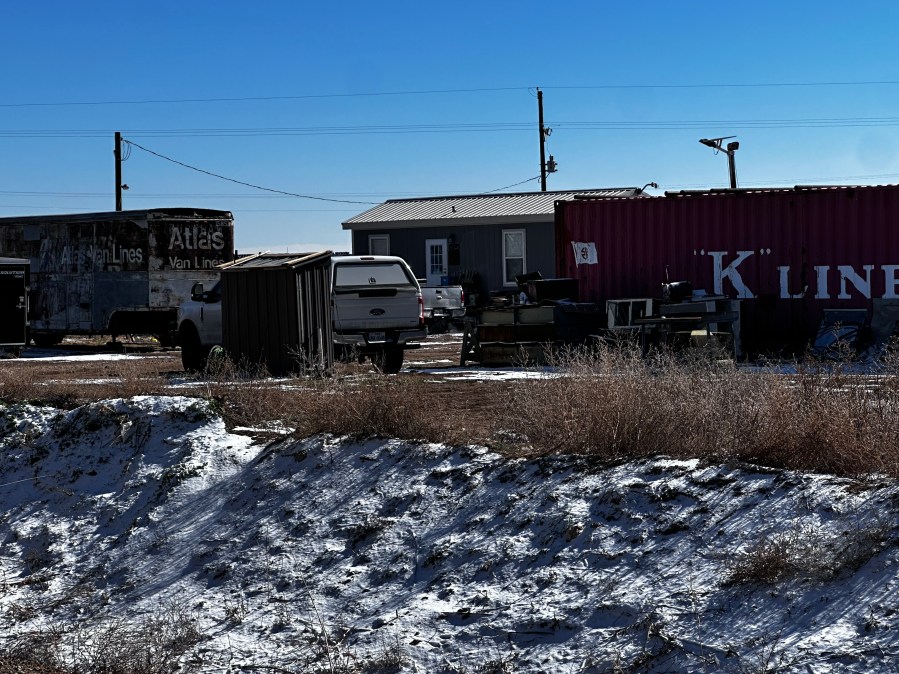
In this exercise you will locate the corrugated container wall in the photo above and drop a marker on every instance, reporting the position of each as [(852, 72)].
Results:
[(789, 254), (279, 315)]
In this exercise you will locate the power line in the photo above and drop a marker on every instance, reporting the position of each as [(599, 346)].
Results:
[(797, 181), (384, 195), (241, 99), (268, 189), (270, 131), (666, 125), (246, 184), (294, 210), (733, 85), (499, 189), (34, 207), (428, 92), (222, 195)]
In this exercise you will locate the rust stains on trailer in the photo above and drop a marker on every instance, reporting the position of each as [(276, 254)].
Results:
[(116, 272)]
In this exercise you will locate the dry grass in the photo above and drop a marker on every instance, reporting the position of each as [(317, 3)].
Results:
[(353, 402), (152, 646), (609, 403), (806, 553), (616, 405)]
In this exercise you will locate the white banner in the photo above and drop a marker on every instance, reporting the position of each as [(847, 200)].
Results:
[(584, 253)]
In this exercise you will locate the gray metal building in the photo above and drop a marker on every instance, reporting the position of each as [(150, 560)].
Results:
[(276, 310), (484, 239)]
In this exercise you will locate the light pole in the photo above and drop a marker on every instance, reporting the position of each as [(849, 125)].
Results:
[(729, 149)]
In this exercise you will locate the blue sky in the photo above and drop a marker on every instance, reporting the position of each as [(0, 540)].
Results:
[(328, 100)]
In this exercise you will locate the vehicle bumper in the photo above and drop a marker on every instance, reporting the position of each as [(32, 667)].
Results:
[(404, 339)]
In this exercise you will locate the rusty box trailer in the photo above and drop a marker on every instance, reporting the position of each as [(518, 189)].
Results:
[(788, 254), (115, 273)]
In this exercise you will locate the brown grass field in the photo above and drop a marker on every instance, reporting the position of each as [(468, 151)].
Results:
[(609, 403)]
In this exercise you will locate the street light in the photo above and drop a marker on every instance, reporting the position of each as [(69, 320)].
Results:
[(729, 149)]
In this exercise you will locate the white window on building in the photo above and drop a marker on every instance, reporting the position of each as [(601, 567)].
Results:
[(513, 255), (379, 244)]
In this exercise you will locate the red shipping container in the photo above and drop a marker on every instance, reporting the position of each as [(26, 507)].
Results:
[(788, 253)]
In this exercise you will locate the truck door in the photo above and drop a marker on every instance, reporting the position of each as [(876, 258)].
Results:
[(210, 327)]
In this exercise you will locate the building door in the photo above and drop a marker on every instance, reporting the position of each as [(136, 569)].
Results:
[(13, 307), (435, 261)]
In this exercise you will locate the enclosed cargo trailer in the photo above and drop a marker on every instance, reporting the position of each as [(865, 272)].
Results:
[(789, 254), (116, 273)]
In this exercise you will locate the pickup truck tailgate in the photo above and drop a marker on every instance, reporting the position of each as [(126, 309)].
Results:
[(370, 309), (374, 296)]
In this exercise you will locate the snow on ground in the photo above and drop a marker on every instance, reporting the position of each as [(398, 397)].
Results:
[(451, 559), (48, 356), (500, 373)]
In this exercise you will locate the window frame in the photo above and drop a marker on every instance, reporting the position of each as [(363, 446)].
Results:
[(378, 237), (506, 257)]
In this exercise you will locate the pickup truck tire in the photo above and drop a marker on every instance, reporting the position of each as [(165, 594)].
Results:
[(388, 361), (193, 353)]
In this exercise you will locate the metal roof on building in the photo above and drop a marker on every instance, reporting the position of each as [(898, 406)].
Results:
[(717, 191), (276, 260), (476, 208), (142, 214)]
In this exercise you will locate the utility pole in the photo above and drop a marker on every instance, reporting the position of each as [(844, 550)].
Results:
[(542, 142), (118, 170), (545, 167)]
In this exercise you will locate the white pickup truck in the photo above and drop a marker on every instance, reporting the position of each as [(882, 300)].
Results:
[(443, 306), (199, 326), (377, 309), (376, 312)]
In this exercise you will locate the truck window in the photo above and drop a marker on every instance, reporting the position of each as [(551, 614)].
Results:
[(371, 275)]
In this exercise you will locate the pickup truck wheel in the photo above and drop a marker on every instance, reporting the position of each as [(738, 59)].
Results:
[(193, 354), (388, 361)]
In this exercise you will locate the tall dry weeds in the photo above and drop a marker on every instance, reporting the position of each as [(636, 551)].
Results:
[(118, 646), (609, 402), (372, 405), (613, 404)]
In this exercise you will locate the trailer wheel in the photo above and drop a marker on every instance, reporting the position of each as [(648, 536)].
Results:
[(193, 354), (167, 339), (388, 361), (45, 341)]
